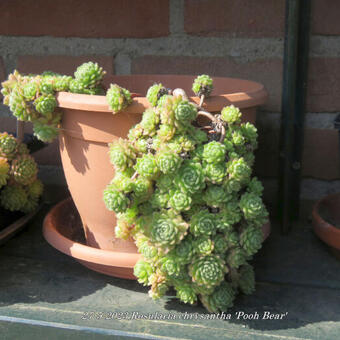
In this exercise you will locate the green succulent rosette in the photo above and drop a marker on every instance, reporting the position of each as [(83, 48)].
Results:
[(8, 145), (146, 166), (221, 299), (249, 131), (118, 98), (19, 107), (180, 201), (45, 104), (35, 189), (239, 169), (89, 74), (170, 266), (62, 83), (122, 181), (255, 187), (165, 183), (231, 211), (215, 173), (166, 132), (253, 208), (121, 154), (149, 251), (159, 285), (181, 144), (159, 199), (203, 85), (168, 162), (13, 197), (232, 238), (190, 177), (251, 239), (223, 225), (4, 171), (115, 200), (232, 185), (186, 293), (220, 244), (184, 251), (149, 122), (30, 90), (142, 188), (246, 280), (167, 230), (203, 224), (231, 115), (143, 271), (203, 245), (215, 196), (155, 92), (46, 131), (185, 112), (24, 169), (214, 152), (208, 271), (236, 257), (123, 229)]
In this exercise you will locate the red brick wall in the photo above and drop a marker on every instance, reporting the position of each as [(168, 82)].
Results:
[(241, 38)]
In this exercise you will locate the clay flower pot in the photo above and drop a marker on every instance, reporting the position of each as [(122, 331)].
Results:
[(326, 213), (88, 126)]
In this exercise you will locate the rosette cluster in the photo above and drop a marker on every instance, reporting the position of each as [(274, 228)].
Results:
[(188, 200), (33, 97), (20, 189)]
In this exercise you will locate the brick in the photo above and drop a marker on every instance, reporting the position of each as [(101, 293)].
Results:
[(265, 71), (320, 153), (243, 18), (50, 155), (62, 64), (323, 85), (325, 17), (85, 18)]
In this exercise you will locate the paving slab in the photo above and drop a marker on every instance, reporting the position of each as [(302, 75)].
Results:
[(48, 294)]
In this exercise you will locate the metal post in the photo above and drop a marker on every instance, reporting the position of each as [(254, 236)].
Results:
[(293, 109)]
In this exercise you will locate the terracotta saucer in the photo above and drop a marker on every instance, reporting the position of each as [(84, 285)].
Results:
[(63, 230), (325, 230)]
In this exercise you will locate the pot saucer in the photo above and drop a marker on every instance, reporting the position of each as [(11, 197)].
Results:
[(62, 229), (325, 230)]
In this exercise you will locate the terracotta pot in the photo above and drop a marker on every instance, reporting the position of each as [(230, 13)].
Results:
[(325, 230), (88, 126)]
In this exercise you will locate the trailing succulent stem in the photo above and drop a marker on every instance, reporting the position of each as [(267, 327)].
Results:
[(185, 194), (32, 98)]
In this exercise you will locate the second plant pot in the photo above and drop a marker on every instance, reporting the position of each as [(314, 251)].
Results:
[(88, 126)]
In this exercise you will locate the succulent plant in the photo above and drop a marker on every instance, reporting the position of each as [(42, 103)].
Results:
[(24, 169), (118, 98), (8, 145), (155, 92), (203, 85), (89, 74), (4, 171), (187, 198), (20, 189), (33, 97)]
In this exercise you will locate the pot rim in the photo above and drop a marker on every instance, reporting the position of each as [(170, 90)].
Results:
[(324, 230), (253, 95)]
